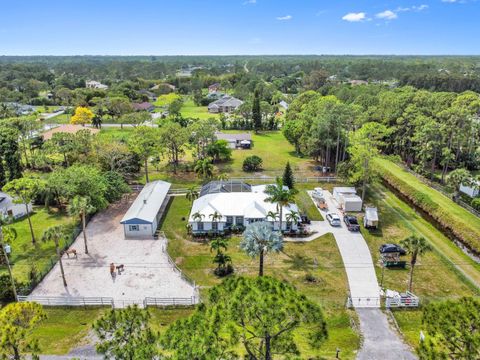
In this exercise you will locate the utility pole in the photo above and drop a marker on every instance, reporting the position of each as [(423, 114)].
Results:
[(7, 261)]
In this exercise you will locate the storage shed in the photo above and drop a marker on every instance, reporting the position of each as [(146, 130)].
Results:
[(142, 218), (338, 192)]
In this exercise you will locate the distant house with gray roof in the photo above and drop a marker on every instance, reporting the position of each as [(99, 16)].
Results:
[(226, 104)]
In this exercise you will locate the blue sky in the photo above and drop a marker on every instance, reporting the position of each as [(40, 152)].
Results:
[(234, 27)]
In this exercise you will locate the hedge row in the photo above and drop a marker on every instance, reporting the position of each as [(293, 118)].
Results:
[(461, 230)]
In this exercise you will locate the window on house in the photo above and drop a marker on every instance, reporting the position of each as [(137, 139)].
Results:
[(229, 221), (134, 228), (289, 225), (200, 226), (239, 220), (214, 226)]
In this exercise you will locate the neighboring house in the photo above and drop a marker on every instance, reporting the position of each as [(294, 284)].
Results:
[(10, 209), (283, 104), (238, 204), (214, 88), (347, 198), (472, 191), (144, 106), (92, 84), (20, 109), (67, 128), (242, 140), (142, 218), (215, 95), (226, 104), (151, 96)]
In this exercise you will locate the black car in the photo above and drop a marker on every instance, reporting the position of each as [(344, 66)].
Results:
[(391, 248), (305, 219), (351, 222)]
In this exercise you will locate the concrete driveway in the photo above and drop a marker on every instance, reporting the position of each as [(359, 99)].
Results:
[(148, 273), (362, 280)]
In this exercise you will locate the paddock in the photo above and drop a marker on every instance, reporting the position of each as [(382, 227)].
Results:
[(148, 273)]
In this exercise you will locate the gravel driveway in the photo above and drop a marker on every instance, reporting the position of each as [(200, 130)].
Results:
[(147, 270)]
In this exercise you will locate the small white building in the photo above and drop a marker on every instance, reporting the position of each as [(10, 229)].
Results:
[(237, 204), (8, 207), (92, 84), (142, 218), (347, 198), (472, 191)]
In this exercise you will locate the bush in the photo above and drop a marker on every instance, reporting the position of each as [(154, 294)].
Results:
[(476, 204), (223, 271), (116, 186), (252, 163)]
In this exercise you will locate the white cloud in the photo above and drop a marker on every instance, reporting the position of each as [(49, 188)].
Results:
[(387, 15), (284, 18), (250, 2), (355, 17), (450, 1)]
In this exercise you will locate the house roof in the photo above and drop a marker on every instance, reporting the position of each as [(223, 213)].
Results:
[(247, 204), (148, 203), (216, 85), (344, 190), (67, 128), (227, 101), (283, 104), (142, 106), (234, 137)]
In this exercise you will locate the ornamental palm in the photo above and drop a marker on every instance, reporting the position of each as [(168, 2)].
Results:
[(219, 245), (198, 217), (415, 246), (293, 217), (56, 234), (204, 168), (192, 193), (81, 206), (260, 238), (281, 196)]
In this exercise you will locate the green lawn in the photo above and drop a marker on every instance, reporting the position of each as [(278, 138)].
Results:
[(190, 110), (291, 265), (67, 328), (24, 253), (115, 133), (307, 206), (445, 272)]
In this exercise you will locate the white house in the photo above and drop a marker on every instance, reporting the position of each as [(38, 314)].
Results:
[(8, 208), (234, 141), (238, 204), (347, 198), (142, 218), (92, 84), (226, 104), (472, 191)]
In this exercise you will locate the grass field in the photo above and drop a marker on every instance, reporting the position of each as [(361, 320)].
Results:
[(190, 110), (68, 328), (24, 253), (446, 272), (296, 260)]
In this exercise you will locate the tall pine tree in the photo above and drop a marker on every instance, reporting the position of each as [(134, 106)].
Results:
[(288, 178), (256, 113)]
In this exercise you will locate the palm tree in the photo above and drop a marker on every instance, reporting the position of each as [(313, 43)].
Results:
[(260, 238), (293, 217), (81, 206), (56, 234), (216, 216), (204, 168), (415, 246), (221, 259), (192, 193), (198, 217), (281, 196), (272, 215)]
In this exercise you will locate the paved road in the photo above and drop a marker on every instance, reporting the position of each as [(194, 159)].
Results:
[(362, 280), (379, 340)]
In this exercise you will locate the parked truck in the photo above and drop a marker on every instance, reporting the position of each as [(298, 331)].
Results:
[(370, 220)]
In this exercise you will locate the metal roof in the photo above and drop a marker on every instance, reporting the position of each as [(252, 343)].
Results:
[(148, 203)]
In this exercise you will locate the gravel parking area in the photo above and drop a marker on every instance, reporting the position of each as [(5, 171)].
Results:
[(147, 270)]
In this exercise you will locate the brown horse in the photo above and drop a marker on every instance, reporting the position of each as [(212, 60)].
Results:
[(71, 251), (112, 269)]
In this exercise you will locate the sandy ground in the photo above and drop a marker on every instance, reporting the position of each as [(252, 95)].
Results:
[(147, 271)]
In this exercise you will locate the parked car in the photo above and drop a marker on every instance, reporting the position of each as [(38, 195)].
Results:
[(351, 222), (334, 219), (392, 248), (305, 219)]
